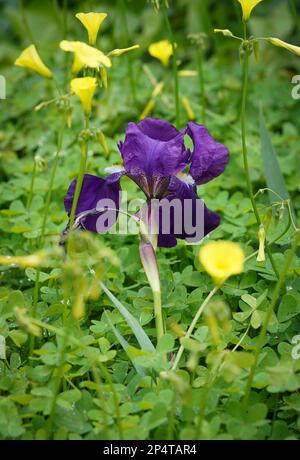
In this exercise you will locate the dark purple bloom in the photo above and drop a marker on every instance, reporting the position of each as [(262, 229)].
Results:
[(93, 190), (154, 157)]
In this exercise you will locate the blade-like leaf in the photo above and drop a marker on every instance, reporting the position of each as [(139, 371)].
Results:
[(273, 174), (124, 344), (139, 333)]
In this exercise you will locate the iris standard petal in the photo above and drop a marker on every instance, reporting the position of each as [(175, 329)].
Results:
[(209, 158), (96, 195), (152, 152), (184, 215)]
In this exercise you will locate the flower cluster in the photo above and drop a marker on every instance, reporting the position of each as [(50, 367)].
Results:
[(86, 57)]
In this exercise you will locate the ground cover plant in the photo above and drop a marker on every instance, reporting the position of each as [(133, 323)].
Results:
[(117, 323)]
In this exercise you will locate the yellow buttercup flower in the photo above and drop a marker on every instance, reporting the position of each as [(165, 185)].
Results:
[(247, 7), (92, 22), (85, 55), (161, 50), (84, 88), (222, 259), (292, 48), (30, 59)]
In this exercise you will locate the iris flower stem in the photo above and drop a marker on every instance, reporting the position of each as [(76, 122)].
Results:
[(175, 69), (44, 222), (193, 324), (263, 333), (201, 85), (82, 168), (245, 149), (33, 176), (158, 315)]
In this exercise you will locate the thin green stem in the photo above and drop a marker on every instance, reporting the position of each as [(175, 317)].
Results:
[(26, 23), (193, 324), (263, 333), (175, 69), (82, 168), (130, 70), (244, 147), (33, 176), (65, 19), (202, 85), (57, 384), (44, 223), (159, 323)]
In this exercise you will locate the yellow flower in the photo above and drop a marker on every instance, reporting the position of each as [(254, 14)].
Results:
[(221, 259), (30, 59), (292, 48), (119, 51), (84, 88), (161, 50), (92, 22), (247, 7), (85, 55)]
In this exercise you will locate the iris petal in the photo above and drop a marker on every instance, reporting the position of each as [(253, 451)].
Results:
[(194, 220), (152, 152), (95, 191), (209, 158)]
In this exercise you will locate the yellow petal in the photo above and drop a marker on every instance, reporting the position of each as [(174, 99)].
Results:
[(30, 59), (85, 54), (119, 51), (77, 64), (84, 88), (292, 48), (222, 259), (247, 7), (161, 50), (92, 22)]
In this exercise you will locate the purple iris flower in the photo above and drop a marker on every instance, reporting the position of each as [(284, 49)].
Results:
[(154, 157)]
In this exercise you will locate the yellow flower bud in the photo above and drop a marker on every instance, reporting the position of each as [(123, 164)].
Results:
[(92, 22), (148, 109), (292, 48), (161, 50), (188, 73), (222, 259), (119, 51), (225, 32), (30, 59), (34, 260), (262, 238), (247, 7), (84, 88), (188, 108), (103, 77), (102, 141)]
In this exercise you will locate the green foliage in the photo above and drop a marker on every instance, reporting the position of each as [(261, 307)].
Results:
[(97, 374)]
